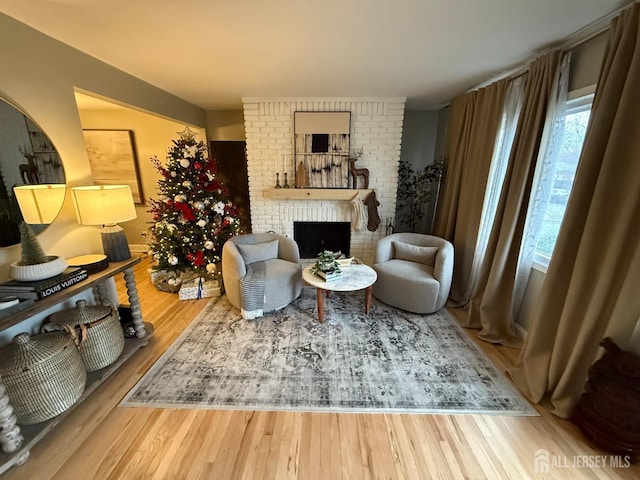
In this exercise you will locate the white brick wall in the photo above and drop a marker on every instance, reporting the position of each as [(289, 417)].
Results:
[(376, 128)]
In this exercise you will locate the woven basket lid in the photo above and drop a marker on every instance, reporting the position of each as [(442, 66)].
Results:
[(82, 314), (26, 352)]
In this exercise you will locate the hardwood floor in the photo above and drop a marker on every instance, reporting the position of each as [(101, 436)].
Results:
[(100, 440)]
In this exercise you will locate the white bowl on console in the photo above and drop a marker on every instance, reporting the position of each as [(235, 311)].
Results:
[(40, 271)]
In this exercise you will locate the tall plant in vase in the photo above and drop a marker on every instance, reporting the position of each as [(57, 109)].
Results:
[(193, 216), (415, 192)]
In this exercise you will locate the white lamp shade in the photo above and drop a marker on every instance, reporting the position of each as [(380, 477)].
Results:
[(103, 204), (40, 203)]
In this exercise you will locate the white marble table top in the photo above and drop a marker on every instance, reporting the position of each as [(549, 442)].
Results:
[(354, 277)]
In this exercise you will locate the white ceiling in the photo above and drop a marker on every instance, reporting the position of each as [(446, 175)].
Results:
[(213, 52)]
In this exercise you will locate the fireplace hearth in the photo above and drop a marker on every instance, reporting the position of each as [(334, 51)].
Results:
[(314, 237)]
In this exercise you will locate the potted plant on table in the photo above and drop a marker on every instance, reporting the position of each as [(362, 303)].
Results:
[(34, 263), (327, 265)]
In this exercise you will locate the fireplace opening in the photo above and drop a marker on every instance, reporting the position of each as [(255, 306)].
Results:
[(314, 237)]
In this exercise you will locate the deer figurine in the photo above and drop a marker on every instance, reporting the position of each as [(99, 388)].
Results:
[(358, 172), (29, 170)]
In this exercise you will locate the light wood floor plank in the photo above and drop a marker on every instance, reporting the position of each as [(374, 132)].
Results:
[(202, 445), (289, 432), (100, 440), (353, 456), (401, 448)]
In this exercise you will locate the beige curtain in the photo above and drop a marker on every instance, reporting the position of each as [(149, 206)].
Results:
[(444, 223), (473, 127), (494, 296), (591, 287)]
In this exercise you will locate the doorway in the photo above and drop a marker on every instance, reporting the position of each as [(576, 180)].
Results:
[(232, 172)]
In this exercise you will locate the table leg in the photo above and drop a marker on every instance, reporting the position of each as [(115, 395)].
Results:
[(367, 299), (134, 301), (103, 293), (10, 436), (320, 301)]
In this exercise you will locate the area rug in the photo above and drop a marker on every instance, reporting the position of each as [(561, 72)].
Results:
[(385, 361)]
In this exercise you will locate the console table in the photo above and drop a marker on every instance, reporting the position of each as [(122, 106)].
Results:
[(15, 440)]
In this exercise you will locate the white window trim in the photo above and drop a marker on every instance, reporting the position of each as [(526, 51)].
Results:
[(576, 101), (581, 92), (540, 262)]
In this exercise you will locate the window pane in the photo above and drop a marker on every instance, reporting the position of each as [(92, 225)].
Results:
[(575, 127)]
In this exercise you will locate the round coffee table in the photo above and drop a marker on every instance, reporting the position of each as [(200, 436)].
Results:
[(354, 277)]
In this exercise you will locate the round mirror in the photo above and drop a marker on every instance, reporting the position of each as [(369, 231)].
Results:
[(27, 157)]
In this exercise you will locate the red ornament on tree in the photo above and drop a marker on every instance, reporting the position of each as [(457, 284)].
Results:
[(186, 211), (198, 261)]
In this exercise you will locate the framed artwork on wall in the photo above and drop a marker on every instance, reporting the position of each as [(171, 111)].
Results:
[(113, 160), (322, 149)]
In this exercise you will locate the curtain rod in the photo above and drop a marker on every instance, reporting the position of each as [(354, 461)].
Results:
[(579, 37)]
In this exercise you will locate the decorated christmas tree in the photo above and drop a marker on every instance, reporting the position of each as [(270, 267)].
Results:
[(193, 216)]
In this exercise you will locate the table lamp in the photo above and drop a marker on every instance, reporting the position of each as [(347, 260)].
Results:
[(40, 204), (106, 205)]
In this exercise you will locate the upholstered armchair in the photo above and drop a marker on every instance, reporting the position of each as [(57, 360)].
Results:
[(261, 272), (414, 271)]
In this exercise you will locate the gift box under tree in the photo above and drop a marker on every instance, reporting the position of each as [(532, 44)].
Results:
[(200, 287)]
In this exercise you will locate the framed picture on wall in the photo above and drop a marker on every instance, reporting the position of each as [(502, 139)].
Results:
[(322, 149), (113, 160)]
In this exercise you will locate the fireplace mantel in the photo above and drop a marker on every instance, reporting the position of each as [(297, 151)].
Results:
[(345, 194)]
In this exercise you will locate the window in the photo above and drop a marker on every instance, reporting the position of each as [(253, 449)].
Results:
[(574, 129)]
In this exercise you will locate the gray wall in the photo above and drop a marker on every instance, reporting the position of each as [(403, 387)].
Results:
[(226, 125), (419, 133), (585, 62)]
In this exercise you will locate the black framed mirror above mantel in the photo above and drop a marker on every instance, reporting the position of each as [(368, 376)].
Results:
[(27, 157)]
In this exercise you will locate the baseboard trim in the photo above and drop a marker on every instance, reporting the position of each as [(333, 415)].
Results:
[(519, 331)]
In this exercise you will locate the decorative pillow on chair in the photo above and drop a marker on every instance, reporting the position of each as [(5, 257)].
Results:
[(259, 252), (414, 253)]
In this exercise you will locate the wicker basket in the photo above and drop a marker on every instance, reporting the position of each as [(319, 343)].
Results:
[(43, 375), (101, 335)]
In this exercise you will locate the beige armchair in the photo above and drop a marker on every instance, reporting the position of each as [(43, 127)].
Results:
[(261, 272), (414, 271)]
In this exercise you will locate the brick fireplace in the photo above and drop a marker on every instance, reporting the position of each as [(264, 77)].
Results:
[(376, 130)]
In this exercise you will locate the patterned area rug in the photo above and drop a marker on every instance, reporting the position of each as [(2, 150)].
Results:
[(387, 361)]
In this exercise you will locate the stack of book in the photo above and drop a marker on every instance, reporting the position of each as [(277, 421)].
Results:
[(330, 277), (39, 289)]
